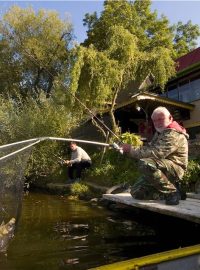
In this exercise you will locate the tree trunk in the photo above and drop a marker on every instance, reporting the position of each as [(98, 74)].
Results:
[(115, 128)]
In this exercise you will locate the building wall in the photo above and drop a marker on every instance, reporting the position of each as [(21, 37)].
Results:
[(187, 89), (194, 116)]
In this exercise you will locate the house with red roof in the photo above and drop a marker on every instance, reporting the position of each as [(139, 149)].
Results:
[(188, 61)]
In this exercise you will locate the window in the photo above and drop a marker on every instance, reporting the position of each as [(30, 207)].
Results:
[(187, 90), (164, 94), (195, 88), (185, 93), (173, 92)]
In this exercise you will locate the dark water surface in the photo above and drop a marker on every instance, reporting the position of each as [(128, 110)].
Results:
[(57, 233)]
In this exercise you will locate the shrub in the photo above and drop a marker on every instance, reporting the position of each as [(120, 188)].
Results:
[(79, 190), (133, 139), (192, 174), (36, 118), (116, 168)]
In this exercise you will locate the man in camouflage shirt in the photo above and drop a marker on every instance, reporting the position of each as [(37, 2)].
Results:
[(163, 162)]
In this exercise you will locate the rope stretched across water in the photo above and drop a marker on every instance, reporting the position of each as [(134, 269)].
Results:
[(40, 139)]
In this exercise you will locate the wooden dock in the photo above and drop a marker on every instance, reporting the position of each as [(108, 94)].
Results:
[(188, 209)]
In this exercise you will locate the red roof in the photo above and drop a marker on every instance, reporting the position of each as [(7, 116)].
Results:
[(188, 59)]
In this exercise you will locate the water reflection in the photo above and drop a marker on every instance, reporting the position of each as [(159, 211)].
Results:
[(67, 230), (58, 234)]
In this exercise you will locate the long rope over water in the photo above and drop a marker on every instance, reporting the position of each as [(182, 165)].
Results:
[(40, 139)]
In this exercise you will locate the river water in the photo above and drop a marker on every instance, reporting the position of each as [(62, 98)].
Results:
[(55, 233)]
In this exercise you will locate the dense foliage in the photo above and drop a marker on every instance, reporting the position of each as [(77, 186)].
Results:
[(34, 50), (115, 167), (185, 37), (192, 174), (127, 42), (34, 120), (34, 57)]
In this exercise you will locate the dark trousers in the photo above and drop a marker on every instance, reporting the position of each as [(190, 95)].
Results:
[(76, 169)]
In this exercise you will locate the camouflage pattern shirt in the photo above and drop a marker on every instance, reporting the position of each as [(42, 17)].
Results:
[(170, 144)]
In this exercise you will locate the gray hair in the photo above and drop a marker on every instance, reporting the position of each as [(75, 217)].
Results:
[(162, 110)]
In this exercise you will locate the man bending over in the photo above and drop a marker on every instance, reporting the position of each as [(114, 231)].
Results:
[(79, 161)]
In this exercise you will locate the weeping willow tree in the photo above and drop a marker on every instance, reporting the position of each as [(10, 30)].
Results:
[(126, 43)]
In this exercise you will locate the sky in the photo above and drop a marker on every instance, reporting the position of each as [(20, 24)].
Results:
[(174, 10)]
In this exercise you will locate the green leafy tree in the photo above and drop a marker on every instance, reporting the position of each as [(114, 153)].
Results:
[(34, 57), (124, 44), (185, 37), (34, 50)]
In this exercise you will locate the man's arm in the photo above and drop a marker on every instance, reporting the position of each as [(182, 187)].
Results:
[(76, 156), (166, 144)]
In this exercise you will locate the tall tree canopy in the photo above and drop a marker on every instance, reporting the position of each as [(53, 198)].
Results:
[(34, 48), (126, 43)]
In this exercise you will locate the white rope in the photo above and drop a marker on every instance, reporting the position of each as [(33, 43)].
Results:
[(77, 140), (20, 142), (37, 140), (19, 150)]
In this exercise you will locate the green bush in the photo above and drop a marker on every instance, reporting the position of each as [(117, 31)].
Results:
[(131, 138), (115, 168), (78, 189), (192, 174), (36, 118)]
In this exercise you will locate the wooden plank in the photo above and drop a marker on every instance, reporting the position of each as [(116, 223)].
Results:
[(188, 209)]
